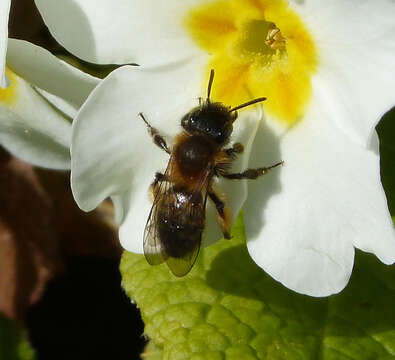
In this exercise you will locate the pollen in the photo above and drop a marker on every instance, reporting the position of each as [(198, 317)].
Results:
[(8, 95), (258, 48)]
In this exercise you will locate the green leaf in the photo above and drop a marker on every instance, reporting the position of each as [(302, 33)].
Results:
[(13, 342), (152, 352), (386, 131), (227, 307)]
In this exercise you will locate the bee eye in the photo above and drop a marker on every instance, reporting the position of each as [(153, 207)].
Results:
[(189, 120), (184, 120)]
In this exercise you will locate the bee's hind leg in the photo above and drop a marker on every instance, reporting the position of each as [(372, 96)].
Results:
[(224, 216), (158, 139)]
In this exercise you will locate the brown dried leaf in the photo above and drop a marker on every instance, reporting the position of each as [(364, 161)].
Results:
[(29, 254), (80, 233), (40, 224)]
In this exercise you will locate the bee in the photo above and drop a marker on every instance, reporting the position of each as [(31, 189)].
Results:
[(173, 232)]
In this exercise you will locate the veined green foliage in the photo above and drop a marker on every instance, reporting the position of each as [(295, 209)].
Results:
[(227, 307)]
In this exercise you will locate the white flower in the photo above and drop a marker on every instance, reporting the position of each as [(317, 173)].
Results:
[(32, 81), (327, 69), (4, 12)]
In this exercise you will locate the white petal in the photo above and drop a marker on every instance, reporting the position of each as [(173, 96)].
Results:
[(44, 70), (33, 130), (4, 13), (135, 204), (148, 32), (110, 140), (356, 44), (303, 220), (234, 191), (66, 108), (113, 155)]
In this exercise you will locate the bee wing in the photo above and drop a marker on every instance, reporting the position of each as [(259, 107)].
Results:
[(180, 266), (183, 265), (154, 250), (153, 247)]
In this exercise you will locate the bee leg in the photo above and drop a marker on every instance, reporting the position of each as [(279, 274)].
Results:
[(159, 177), (158, 139), (224, 216), (251, 173), (153, 189), (237, 148), (226, 156)]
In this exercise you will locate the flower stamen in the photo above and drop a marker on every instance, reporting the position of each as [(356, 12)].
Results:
[(274, 38), (265, 51)]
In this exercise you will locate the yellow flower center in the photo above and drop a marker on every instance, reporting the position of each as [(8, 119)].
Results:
[(8, 95), (259, 48)]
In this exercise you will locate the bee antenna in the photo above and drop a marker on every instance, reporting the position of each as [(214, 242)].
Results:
[(248, 104), (210, 84)]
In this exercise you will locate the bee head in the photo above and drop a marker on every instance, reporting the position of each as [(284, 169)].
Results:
[(212, 120)]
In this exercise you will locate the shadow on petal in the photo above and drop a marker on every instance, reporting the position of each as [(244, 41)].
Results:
[(245, 278), (265, 152), (361, 315), (73, 38)]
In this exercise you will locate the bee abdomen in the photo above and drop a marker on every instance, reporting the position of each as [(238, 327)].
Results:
[(181, 221), (179, 239)]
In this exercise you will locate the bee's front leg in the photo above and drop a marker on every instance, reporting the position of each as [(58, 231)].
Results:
[(158, 139), (225, 157)]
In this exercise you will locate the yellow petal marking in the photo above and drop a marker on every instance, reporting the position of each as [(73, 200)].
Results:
[(8, 95), (259, 48), (214, 18)]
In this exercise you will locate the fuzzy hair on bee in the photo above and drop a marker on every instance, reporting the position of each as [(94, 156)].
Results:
[(173, 232)]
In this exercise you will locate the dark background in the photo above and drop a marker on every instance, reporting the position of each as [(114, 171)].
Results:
[(77, 309), (84, 314)]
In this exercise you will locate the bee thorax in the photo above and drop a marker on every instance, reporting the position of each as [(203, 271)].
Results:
[(193, 155)]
